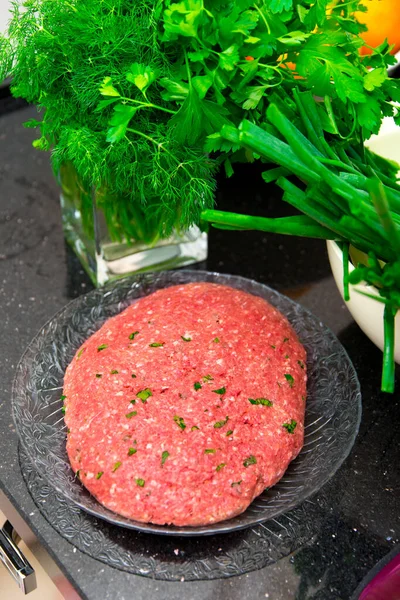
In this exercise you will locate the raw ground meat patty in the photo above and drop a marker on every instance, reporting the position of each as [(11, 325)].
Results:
[(187, 405)]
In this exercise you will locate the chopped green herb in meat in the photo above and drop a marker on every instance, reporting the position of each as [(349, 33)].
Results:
[(235, 483), (186, 339), (228, 433), (300, 362), (251, 460), (216, 340), (220, 391), (197, 385), (290, 427), (208, 378), (180, 422), (80, 353), (102, 347), (132, 451), (156, 344), (209, 451), (194, 428), (116, 466), (131, 414), (289, 379), (99, 474), (164, 457), (114, 372), (140, 482), (220, 424), (132, 335), (262, 401), (144, 394), (221, 466), (98, 375)]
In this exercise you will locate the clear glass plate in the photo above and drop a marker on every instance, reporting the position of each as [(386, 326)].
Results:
[(332, 414)]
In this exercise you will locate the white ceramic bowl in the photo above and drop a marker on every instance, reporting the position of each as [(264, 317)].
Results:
[(368, 313)]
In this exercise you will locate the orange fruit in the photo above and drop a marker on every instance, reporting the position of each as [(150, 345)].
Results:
[(383, 21)]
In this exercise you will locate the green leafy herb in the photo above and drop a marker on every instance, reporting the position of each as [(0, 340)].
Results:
[(228, 433), (116, 466), (63, 409), (186, 339), (164, 457), (132, 401), (220, 424), (236, 483), (290, 427), (286, 339), (99, 474), (180, 422), (81, 351), (140, 482), (272, 346), (194, 428), (99, 375), (144, 395), (209, 451), (216, 340), (262, 401), (289, 379), (62, 398), (220, 466), (131, 414), (133, 334), (156, 344), (220, 391), (133, 376), (132, 451), (101, 347), (251, 460), (300, 362), (197, 385), (114, 372)]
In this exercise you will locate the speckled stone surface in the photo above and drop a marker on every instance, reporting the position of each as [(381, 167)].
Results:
[(38, 275)]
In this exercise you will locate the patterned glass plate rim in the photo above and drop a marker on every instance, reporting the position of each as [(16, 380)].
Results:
[(333, 409)]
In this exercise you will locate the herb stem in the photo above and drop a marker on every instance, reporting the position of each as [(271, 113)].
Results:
[(388, 350)]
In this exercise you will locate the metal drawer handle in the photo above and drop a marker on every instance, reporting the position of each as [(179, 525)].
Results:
[(13, 559)]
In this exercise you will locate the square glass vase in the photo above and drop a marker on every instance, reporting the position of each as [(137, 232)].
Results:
[(101, 242)]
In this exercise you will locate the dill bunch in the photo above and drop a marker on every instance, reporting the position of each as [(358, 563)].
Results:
[(60, 54)]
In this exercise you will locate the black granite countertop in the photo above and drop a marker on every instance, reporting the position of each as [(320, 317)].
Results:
[(359, 517)]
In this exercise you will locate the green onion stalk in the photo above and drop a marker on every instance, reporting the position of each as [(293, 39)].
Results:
[(364, 213)]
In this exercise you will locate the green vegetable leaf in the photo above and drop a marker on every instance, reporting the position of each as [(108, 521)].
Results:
[(209, 451), (107, 89), (101, 347), (104, 103), (133, 334), (140, 482), (131, 414), (375, 78), (157, 344), (99, 474), (197, 385), (220, 466), (116, 466), (132, 451), (142, 76), (164, 457), (278, 6), (229, 58), (174, 90)]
